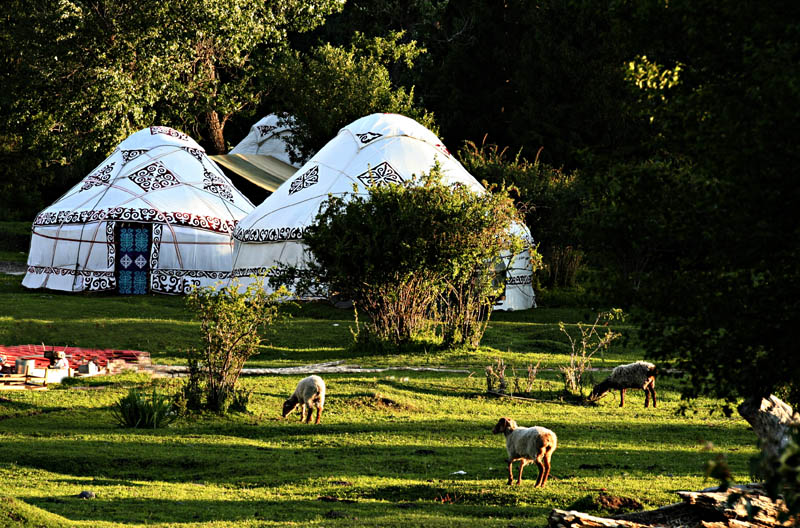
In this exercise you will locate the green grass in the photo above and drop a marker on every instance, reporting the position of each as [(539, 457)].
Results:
[(386, 453)]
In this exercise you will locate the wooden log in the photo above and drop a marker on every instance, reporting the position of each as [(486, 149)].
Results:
[(772, 421), (748, 504), (574, 519)]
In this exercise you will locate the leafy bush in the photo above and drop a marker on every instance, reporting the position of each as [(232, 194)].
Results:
[(550, 198), (407, 252), (137, 410), (231, 321)]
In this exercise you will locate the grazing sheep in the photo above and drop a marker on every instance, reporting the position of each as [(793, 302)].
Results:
[(310, 393), (527, 444), (639, 375)]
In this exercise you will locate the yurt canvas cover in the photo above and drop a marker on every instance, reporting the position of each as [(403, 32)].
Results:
[(155, 216), (376, 149), (263, 157)]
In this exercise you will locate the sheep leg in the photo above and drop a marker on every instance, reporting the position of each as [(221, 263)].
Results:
[(622, 397), (521, 467), (510, 472), (540, 478), (310, 414), (303, 413), (546, 464), (653, 392), (319, 412)]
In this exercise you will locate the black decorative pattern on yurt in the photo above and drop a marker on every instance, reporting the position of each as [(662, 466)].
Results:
[(275, 234), (305, 180), (366, 137), (263, 130), (182, 281), (196, 152), (101, 177), (214, 183), (168, 132), (155, 248), (130, 155), (210, 223), (154, 177), (382, 174), (132, 268), (519, 280), (93, 280), (110, 226)]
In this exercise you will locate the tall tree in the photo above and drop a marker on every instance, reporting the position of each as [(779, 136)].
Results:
[(84, 74)]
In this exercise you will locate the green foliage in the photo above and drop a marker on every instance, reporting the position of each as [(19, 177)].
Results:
[(404, 248), (551, 199), (232, 320), (356, 83), (701, 227), (139, 411), (118, 71)]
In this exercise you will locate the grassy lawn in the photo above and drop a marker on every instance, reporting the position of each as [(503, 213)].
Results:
[(388, 453)]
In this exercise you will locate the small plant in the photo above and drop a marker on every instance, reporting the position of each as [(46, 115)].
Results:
[(496, 374), (594, 338), (231, 322), (139, 411)]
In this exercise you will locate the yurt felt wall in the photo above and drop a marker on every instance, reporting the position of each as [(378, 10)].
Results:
[(155, 216), (373, 150)]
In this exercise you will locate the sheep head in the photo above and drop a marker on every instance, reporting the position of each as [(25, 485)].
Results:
[(504, 425), (288, 406), (600, 390)]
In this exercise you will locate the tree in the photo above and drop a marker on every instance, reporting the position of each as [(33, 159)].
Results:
[(330, 86), (720, 299), (83, 74), (406, 248)]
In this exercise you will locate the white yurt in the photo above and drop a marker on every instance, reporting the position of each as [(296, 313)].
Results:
[(155, 216), (264, 157), (376, 149)]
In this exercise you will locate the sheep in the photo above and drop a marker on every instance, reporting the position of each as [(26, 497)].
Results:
[(639, 375), (310, 393), (527, 444)]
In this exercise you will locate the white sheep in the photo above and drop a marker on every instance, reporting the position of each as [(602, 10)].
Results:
[(527, 444), (639, 375), (310, 393)]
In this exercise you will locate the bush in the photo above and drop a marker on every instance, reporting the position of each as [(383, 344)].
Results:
[(137, 410), (551, 199), (231, 322), (406, 253)]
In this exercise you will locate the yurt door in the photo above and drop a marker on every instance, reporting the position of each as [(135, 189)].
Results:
[(133, 257)]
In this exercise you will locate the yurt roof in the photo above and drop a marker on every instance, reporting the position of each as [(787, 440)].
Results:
[(156, 174)]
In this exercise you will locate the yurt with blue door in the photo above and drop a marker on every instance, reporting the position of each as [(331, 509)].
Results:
[(155, 216)]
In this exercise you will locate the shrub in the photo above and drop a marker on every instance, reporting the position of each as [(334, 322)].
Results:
[(550, 198), (408, 252), (139, 411), (231, 323)]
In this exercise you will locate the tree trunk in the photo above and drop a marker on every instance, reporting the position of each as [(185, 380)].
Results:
[(771, 420), (215, 128)]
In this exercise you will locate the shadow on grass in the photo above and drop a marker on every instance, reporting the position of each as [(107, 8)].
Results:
[(146, 511), (298, 452)]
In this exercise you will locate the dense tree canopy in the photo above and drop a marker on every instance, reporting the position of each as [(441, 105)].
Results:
[(87, 74)]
